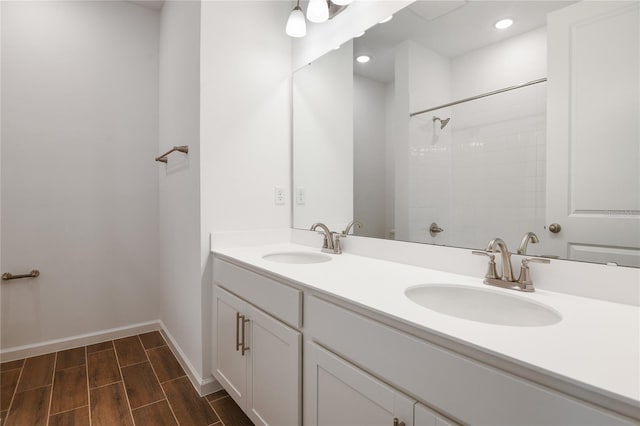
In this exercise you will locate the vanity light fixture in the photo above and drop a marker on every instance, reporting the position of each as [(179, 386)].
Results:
[(387, 19), (296, 25), (503, 24), (363, 59), (318, 11)]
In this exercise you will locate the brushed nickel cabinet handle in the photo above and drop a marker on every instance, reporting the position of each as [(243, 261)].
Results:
[(397, 422), (244, 347), (238, 344)]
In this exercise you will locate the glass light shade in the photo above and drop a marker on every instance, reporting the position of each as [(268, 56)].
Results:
[(341, 2), (318, 11), (296, 25)]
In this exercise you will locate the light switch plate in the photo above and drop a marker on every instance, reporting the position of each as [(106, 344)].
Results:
[(300, 196), (278, 195)]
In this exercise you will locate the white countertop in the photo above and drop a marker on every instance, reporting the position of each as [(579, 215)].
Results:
[(596, 345)]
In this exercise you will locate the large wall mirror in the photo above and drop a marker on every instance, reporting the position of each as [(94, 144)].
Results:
[(437, 127)]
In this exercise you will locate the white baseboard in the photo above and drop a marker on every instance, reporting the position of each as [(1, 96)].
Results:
[(26, 351), (202, 386)]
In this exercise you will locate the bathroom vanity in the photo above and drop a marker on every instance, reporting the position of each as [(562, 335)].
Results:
[(302, 337)]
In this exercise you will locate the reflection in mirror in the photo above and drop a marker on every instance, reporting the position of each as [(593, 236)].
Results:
[(323, 134), (435, 150)]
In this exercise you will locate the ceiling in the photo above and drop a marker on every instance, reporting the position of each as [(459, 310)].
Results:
[(151, 4), (450, 28)]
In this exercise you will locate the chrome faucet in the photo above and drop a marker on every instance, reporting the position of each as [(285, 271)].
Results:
[(351, 225), (523, 282), (331, 243), (529, 237)]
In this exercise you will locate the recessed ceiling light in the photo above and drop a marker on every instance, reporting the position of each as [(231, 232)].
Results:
[(360, 35), (384, 21), (503, 23), (363, 59)]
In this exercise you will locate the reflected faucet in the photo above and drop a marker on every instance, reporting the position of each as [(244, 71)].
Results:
[(529, 237), (351, 225)]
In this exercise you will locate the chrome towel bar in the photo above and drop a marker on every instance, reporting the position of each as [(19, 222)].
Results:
[(8, 276), (163, 157)]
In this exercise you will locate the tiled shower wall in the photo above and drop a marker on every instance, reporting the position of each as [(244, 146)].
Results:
[(486, 166), (483, 174)]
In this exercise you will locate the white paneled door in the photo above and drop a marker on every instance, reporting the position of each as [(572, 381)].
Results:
[(593, 153)]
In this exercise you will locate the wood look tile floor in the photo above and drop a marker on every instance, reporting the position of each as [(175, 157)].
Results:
[(131, 381)]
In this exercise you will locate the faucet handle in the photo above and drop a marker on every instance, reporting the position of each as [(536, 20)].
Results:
[(484, 253), (524, 280), (325, 241), (492, 272), (337, 247)]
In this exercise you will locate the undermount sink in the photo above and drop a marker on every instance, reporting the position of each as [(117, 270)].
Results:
[(481, 305), (297, 257)]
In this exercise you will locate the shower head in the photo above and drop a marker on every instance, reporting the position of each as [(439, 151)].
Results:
[(443, 123)]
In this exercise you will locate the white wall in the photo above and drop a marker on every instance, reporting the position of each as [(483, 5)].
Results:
[(390, 160), (245, 126), (513, 61), (0, 161), (179, 180), (79, 184), (369, 159), (323, 128), (400, 141)]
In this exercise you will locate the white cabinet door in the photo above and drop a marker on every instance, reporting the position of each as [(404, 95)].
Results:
[(274, 368), (423, 416), (593, 147), (264, 378), (339, 394), (229, 364)]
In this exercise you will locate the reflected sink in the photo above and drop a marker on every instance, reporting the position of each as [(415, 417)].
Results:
[(297, 257), (481, 305)]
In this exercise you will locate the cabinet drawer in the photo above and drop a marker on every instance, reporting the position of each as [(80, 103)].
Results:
[(468, 390), (279, 300)]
